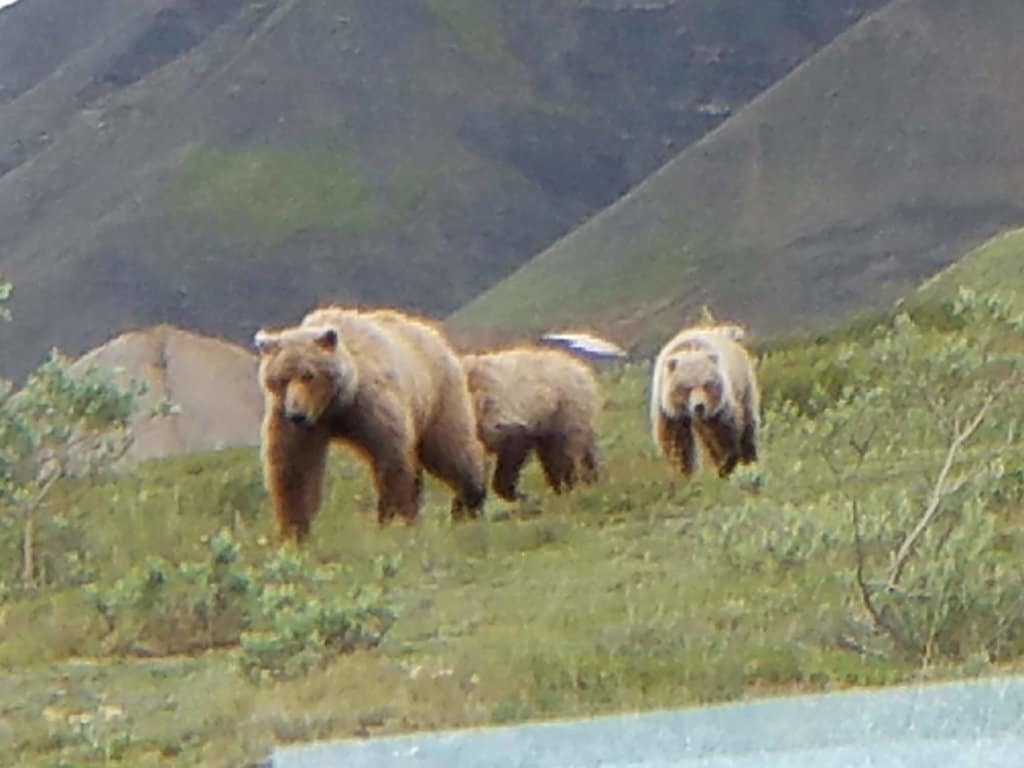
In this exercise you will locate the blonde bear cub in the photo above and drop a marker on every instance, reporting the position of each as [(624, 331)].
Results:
[(704, 390), (532, 399)]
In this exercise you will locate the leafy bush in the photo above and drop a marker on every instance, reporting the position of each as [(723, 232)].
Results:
[(159, 607), (300, 622), (920, 397), (763, 533), (288, 614), (55, 425)]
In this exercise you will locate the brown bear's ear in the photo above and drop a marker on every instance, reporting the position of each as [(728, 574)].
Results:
[(265, 342), (327, 338)]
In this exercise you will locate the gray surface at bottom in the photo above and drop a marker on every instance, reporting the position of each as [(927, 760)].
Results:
[(968, 725)]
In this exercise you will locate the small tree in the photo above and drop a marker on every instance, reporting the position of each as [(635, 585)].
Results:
[(56, 424), (921, 398)]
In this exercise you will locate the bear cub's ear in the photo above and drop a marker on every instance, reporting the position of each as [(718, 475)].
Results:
[(265, 342)]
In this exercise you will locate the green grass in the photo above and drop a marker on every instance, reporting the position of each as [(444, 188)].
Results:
[(549, 295), (476, 25), (639, 593), (263, 196), (997, 266)]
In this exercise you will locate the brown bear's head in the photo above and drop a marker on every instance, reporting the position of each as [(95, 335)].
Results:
[(305, 370), (692, 385)]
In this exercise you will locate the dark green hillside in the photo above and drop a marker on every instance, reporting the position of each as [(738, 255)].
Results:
[(873, 165), (995, 267), (223, 165)]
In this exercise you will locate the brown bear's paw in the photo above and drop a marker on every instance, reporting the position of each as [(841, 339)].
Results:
[(727, 466), (293, 531), (748, 451), (506, 489), (469, 504)]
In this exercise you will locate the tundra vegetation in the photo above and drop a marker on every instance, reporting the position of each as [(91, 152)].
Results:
[(152, 620)]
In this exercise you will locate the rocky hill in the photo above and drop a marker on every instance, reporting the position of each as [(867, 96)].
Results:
[(877, 162), (224, 165), (210, 384)]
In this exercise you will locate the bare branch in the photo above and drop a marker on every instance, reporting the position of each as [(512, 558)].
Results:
[(877, 616), (40, 496), (862, 447), (940, 490), (29, 517)]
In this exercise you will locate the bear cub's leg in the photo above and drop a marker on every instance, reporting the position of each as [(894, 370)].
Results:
[(722, 441), (512, 453), (679, 442)]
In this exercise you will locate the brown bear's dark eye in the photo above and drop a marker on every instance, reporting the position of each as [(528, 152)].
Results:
[(306, 376)]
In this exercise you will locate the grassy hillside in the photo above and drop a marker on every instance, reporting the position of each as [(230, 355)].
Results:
[(873, 165), (640, 592), (219, 166), (996, 266)]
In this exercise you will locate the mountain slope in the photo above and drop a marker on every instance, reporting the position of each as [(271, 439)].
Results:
[(874, 164), (225, 165)]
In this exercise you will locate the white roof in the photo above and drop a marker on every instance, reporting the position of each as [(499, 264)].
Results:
[(586, 343)]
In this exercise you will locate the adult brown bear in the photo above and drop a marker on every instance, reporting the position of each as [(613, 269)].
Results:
[(387, 384)]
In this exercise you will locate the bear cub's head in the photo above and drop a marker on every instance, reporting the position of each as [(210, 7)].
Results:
[(693, 385), (304, 371), (480, 382)]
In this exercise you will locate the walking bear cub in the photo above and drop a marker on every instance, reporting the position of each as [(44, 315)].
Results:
[(534, 399), (704, 389)]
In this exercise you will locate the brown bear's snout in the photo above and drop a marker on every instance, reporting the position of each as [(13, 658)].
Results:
[(296, 417), (699, 410)]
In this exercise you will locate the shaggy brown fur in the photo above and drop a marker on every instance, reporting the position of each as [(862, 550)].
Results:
[(383, 382), (704, 390), (534, 399)]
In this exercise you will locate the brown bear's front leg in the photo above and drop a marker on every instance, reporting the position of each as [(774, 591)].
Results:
[(722, 443), (591, 465), (677, 440), (748, 444), (293, 469), (512, 452), (419, 488)]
